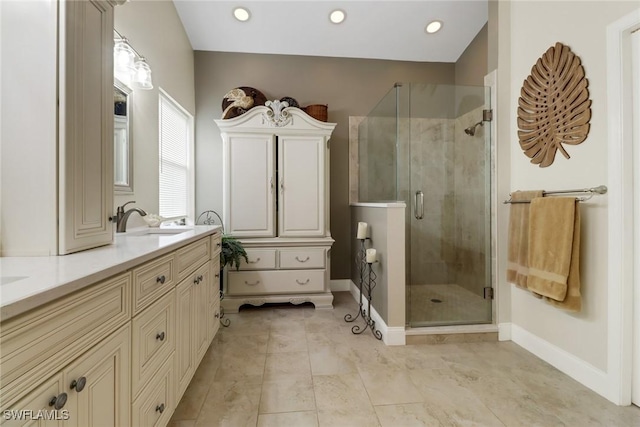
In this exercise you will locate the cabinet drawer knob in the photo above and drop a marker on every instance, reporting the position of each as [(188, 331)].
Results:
[(302, 283), (161, 279), (218, 244), (302, 260), (254, 262), (160, 408), (58, 401), (198, 279), (252, 284), (160, 336), (217, 275), (217, 315), (79, 384)]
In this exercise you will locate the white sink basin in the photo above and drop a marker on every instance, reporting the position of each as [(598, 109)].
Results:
[(157, 230)]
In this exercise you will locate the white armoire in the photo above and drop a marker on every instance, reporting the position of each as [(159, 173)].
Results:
[(276, 202)]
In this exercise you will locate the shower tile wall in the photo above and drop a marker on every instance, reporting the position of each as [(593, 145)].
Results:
[(377, 153), (432, 172), (448, 245), (471, 201)]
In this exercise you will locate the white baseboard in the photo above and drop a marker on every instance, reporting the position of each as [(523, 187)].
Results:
[(504, 331), (340, 285), (576, 368), (391, 335)]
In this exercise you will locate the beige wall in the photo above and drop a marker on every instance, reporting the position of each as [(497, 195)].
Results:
[(532, 28), (471, 67), (155, 31), (350, 87)]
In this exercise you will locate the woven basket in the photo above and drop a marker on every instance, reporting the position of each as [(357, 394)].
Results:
[(317, 111)]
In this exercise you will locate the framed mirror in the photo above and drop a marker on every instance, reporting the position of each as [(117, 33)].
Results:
[(122, 137)]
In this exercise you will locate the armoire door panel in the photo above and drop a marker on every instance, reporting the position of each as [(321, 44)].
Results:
[(301, 169), (250, 187)]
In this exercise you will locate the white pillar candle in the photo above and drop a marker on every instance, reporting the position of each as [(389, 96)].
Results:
[(371, 256), (362, 230)]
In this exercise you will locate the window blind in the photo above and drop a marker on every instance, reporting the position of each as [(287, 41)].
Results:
[(174, 159)]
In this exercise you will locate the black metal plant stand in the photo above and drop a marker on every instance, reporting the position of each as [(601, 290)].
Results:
[(224, 322), (360, 263)]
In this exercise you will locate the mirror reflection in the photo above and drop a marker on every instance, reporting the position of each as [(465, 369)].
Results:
[(122, 135)]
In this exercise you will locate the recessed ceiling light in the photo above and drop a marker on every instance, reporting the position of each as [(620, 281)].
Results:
[(241, 14), (433, 27), (337, 16)]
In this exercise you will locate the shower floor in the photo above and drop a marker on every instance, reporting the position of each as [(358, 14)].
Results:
[(456, 306)]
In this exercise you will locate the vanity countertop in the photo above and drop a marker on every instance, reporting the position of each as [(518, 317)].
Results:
[(28, 282)]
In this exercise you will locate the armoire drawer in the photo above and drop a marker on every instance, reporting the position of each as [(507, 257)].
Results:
[(275, 282), (192, 256), (259, 259), (152, 280), (302, 258), (153, 340)]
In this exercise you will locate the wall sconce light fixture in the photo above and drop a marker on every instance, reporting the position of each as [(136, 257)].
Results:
[(129, 66)]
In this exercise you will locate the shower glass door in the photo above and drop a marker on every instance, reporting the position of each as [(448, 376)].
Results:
[(444, 144)]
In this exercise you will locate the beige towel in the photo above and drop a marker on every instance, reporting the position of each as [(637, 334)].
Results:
[(518, 248), (573, 300), (553, 222)]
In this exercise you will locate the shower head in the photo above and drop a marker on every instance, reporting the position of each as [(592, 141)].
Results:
[(471, 130)]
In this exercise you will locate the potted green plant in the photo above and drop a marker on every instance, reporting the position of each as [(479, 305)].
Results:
[(231, 253)]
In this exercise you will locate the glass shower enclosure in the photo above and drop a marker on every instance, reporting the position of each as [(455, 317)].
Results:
[(430, 146)]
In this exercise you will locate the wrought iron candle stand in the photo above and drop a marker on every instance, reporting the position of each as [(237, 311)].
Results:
[(368, 285), (360, 263)]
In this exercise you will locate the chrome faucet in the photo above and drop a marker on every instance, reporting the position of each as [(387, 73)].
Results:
[(122, 216)]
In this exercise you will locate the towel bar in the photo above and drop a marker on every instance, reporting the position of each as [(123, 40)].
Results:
[(602, 189)]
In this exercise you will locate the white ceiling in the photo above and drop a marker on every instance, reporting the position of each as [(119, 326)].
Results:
[(391, 30)]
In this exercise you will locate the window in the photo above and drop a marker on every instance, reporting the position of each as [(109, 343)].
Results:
[(176, 159)]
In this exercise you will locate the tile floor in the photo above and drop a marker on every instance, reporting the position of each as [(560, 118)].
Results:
[(294, 367)]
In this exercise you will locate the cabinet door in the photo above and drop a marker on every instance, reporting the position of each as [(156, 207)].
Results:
[(301, 169), (249, 185), (202, 284), (98, 384), (184, 336), (85, 124), (213, 316), (37, 408)]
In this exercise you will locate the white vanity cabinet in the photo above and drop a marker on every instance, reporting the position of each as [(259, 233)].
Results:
[(276, 193), (118, 352), (80, 329)]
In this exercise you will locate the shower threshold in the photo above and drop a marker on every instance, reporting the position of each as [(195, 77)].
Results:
[(451, 334)]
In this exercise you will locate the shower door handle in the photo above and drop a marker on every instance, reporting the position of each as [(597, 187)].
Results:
[(418, 208)]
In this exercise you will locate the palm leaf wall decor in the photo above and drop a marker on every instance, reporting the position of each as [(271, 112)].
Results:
[(554, 106)]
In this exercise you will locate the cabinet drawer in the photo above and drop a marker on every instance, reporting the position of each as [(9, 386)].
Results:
[(216, 245), (153, 340), (155, 404), (41, 341), (152, 280), (302, 258), (192, 256), (259, 259), (275, 282)]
